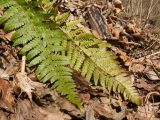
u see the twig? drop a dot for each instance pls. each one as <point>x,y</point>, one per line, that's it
<point>148,56</point>
<point>141,8</point>
<point>23,64</point>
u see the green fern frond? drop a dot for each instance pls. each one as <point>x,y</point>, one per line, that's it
<point>43,47</point>
<point>52,49</point>
<point>72,24</point>
<point>90,56</point>
<point>62,18</point>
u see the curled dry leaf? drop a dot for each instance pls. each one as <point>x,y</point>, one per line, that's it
<point>26,84</point>
<point>6,98</point>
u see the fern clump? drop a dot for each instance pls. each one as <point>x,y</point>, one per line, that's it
<point>55,48</point>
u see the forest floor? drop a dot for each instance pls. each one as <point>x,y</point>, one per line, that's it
<point>22,97</point>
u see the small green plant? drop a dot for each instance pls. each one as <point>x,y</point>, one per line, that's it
<point>54,48</point>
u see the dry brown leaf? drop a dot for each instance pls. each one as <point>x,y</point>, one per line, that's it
<point>146,86</point>
<point>137,68</point>
<point>99,108</point>
<point>152,75</point>
<point>6,98</point>
<point>25,110</point>
<point>85,98</point>
<point>149,110</point>
<point>156,63</point>
<point>3,116</point>
<point>26,84</point>
<point>64,104</point>
<point>117,2</point>
<point>116,31</point>
<point>9,35</point>
<point>131,27</point>
<point>110,26</point>
<point>4,74</point>
<point>126,59</point>
<point>53,115</point>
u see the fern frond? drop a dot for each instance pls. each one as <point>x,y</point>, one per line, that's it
<point>72,24</point>
<point>90,56</point>
<point>43,47</point>
<point>49,49</point>
<point>62,18</point>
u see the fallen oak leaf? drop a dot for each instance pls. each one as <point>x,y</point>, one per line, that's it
<point>6,98</point>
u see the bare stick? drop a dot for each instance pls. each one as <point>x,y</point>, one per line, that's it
<point>23,64</point>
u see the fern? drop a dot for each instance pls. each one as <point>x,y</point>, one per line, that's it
<point>89,55</point>
<point>42,46</point>
<point>53,48</point>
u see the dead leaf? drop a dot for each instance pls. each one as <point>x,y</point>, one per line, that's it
<point>3,116</point>
<point>85,98</point>
<point>137,68</point>
<point>26,84</point>
<point>156,63</point>
<point>141,83</point>
<point>148,111</point>
<point>131,27</point>
<point>6,98</point>
<point>64,104</point>
<point>116,31</point>
<point>9,35</point>
<point>25,110</point>
<point>54,115</point>
<point>99,108</point>
<point>4,74</point>
<point>152,75</point>
<point>117,2</point>
<point>126,59</point>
